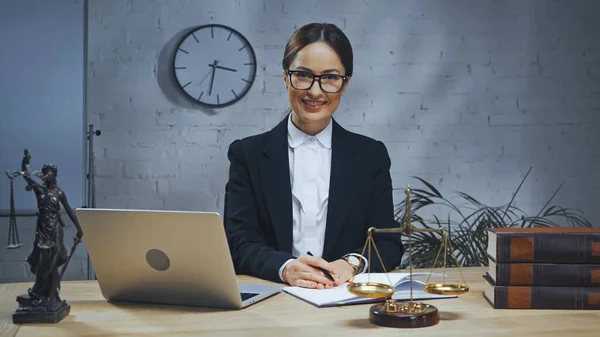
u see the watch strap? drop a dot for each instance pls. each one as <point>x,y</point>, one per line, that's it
<point>355,267</point>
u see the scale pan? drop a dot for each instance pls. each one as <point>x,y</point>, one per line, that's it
<point>445,289</point>
<point>371,290</point>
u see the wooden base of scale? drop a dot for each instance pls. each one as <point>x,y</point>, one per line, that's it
<point>404,314</point>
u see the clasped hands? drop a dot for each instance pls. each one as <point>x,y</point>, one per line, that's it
<point>304,272</point>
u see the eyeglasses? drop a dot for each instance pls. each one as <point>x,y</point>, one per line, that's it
<point>303,80</point>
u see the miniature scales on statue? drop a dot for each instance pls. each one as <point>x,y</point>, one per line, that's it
<point>13,233</point>
<point>42,303</point>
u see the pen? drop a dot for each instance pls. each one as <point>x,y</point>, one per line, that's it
<point>323,270</point>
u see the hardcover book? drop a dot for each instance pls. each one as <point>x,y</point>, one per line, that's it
<point>544,245</point>
<point>536,297</point>
<point>544,274</point>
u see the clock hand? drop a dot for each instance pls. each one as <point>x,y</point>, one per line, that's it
<point>215,66</point>
<point>208,73</point>
<point>205,76</point>
<point>212,78</point>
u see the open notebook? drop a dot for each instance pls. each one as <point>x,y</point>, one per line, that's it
<point>341,296</point>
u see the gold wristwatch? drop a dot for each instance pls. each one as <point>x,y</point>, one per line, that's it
<point>355,262</point>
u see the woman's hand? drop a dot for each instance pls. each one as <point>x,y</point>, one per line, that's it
<point>303,272</point>
<point>345,271</point>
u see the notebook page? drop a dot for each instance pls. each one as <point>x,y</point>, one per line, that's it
<point>322,297</point>
<point>402,293</point>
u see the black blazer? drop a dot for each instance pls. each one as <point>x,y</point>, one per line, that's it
<point>258,202</point>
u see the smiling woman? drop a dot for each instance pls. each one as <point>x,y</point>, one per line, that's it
<point>316,53</point>
<point>301,197</point>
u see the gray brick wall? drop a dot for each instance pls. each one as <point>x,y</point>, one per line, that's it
<point>467,94</point>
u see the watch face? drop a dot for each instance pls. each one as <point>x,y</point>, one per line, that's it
<point>354,260</point>
<point>214,65</point>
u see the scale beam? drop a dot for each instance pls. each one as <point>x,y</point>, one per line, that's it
<point>406,230</point>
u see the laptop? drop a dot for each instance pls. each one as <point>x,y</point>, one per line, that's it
<point>165,257</point>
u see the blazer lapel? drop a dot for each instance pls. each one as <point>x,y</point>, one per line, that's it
<point>275,179</point>
<point>340,185</point>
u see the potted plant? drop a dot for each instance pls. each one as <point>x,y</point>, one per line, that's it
<point>468,225</point>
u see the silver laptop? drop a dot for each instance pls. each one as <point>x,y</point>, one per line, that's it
<point>165,257</point>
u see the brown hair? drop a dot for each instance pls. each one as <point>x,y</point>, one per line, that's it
<point>315,32</point>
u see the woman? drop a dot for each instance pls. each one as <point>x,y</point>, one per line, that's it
<point>301,197</point>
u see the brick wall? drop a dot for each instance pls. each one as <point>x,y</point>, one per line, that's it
<point>466,94</point>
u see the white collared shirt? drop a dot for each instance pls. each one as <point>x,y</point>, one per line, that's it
<point>310,169</point>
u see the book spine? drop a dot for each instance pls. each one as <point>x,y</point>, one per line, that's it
<point>566,298</point>
<point>548,248</point>
<point>547,274</point>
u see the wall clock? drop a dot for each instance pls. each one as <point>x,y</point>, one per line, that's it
<point>214,65</point>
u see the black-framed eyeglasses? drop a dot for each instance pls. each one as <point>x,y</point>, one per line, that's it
<point>304,80</point>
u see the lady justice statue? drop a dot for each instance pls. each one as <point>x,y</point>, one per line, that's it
<point>42,303</point>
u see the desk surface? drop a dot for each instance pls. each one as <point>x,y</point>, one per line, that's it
<point>281,315</point>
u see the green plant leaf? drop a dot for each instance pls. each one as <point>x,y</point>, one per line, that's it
<point>433,189</point>
<point>468,230</point>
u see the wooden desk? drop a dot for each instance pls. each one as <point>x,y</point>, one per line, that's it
<point>283,315</point>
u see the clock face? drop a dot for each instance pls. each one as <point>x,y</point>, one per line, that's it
<point>215,65</point>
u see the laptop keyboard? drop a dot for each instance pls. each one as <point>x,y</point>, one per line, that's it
<point>246,296</point>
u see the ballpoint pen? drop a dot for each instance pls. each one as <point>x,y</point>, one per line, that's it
<point>323,270</point>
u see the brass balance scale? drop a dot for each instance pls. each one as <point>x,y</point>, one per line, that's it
<point>409,314</point>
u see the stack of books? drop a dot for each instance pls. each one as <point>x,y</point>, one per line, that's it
<point>543,268</point>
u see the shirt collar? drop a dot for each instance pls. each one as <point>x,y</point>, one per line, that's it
<point>296,137</point>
